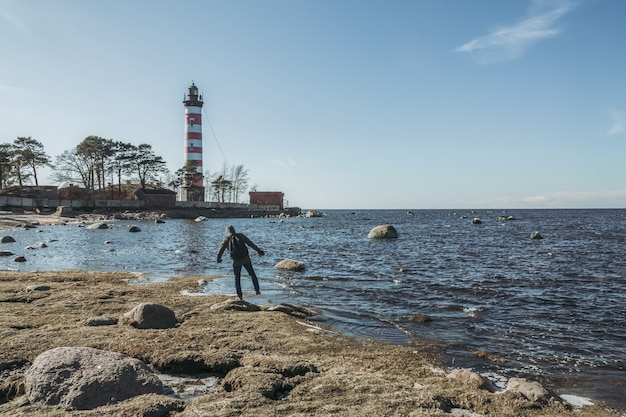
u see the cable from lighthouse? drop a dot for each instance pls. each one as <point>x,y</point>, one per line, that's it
<point>215,136</point>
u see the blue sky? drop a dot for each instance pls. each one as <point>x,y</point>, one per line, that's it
<point>339,103</point>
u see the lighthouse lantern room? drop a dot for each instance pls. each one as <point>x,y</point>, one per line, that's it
<point>193,181</point>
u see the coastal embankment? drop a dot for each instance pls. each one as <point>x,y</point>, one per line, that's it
<point>22,218</point>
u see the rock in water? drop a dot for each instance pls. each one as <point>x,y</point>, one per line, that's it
<point>84,378</point>
<point>536,235</point>
<point>98,225</point>
<point>313,213</point>
<point>290,265</point>
<point>385,231</point>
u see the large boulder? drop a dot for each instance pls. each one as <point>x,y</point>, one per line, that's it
<point>384,231</point>
<point>472,378</point>
<point>7,239</point>
<point>290,265</point>
<point>84,378</point>
<point>149,316</point>
<point>531,390</point>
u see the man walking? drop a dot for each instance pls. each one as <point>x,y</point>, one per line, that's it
<point>237,244</point>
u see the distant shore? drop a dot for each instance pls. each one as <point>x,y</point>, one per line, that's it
<point>22,218</point>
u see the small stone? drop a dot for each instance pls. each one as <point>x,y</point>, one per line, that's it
<point>234,304</point>
<point>98,225</point>
<point>38,288</point>
<point>420,318</point>
<point>100,321</point>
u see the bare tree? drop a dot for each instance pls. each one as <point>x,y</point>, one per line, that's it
<point>239,179</point>
<point>71,167</point>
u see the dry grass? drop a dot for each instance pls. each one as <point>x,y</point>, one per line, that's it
<point>270,364</point>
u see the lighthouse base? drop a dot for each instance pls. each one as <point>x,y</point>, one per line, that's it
<point>192,193</point>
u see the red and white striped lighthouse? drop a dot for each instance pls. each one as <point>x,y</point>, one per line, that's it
<point>193,186</point>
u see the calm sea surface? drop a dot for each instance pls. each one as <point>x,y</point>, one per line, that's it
<point>553,308</point>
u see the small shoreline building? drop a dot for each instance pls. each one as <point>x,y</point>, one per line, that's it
<point>267,199</point>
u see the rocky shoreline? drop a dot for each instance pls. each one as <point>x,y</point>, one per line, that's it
<point>262,360</point>
<point>20,218</point>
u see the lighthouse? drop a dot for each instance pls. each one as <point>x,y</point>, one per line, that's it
<point>193,181</point>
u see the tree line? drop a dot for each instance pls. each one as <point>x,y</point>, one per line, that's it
<point>96,162</point>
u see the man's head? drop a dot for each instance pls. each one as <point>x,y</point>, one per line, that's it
<point>230,231</point>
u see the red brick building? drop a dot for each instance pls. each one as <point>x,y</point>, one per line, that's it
<point>267,198</point>
<point>156,198</point>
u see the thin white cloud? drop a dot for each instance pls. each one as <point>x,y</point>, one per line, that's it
<point>511,42</point>
<point>535,199</point>
<point>574,199</point>
<point>619,123</point>
<point>13,21</point>
<point>284,163</point>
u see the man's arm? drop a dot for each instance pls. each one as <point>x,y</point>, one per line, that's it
<point>220,252</point>
<point>251,244</point>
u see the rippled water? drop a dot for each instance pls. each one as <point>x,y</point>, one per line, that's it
<point>554,307</point>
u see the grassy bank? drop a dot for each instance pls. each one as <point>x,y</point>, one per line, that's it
<point>268,363</point>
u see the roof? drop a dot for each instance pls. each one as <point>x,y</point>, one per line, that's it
<point>160,191</point>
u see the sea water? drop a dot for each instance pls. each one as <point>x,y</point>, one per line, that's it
<point>551,308</point>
